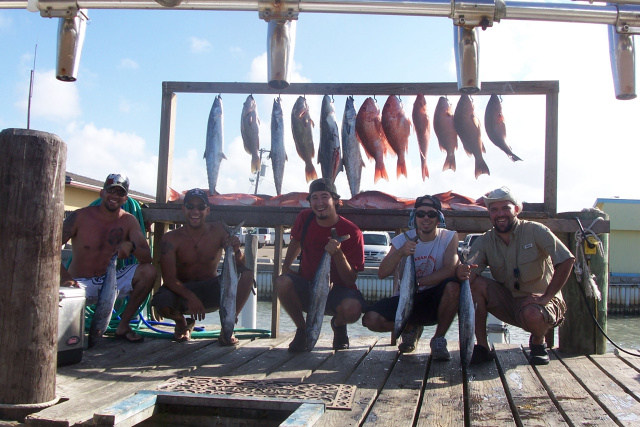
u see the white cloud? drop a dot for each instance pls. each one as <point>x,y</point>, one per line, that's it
<point>128,64</point>
<point>199,45</point>
<point>5,22</point>
<point>52,99</point>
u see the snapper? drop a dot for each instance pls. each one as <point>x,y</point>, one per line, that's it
<point>468,128</point>
<point>372,137</point>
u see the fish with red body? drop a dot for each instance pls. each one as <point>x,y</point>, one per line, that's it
<point>378,200</point>
<point>445,130</point>
<point>371,135</point>
<point>295,199</point>
<point>495,126</point>
<point>468,129</point>
<point>397,128</point>
<point>235,199</point>
<point>423,130</point>
<point>302,128</point>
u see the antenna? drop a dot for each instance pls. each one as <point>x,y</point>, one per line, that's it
<point>35,54</point>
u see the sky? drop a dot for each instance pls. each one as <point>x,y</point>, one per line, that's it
<point>110,117</point>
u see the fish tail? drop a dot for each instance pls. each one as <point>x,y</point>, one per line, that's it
<point>255,163</point>
<point>310,172</point>
<point>449,162</point>
<point>481,167</point>
<point>381,172</point>
<point>514,158</point>
<point>425,169</point>
<point>401,168</point>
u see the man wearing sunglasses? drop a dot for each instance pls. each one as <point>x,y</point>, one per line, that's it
<point>189,261</point>
<point>436,257</point>
<point>98,232</point>
<point>529,266</point>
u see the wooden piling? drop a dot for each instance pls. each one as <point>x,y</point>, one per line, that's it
<point>32,172</point>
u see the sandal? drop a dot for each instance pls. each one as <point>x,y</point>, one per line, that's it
<point>233,341</point>
<point>183,333</point>
<point>130,337</point>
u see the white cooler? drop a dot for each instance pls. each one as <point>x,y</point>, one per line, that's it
<point>70,325</point>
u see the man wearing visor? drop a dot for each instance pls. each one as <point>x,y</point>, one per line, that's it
<point>529,266</point>
<point>436,257</point>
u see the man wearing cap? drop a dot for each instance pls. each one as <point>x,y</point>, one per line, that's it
<point>436,256</point>
<point>311,236</point>
<point>529,266</point>
<point>189,261</point>
<point>96,234</point>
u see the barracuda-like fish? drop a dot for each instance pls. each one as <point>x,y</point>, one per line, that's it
<point>229,287</point>
<point>250,130</point>
<point>423,130</point>
<point>302,128</point>
<point>468,129</point>
<point>371,136</point>
<point>495,126</point>
<point>397,128</point>
<point>329,150</point>
<point>214,144</point>
<point>104,308</point>
<point>408,287</point>
<point>466,323</point>
<point>445,130</point>
<point>351,156</point>
<point>277,154</point>
<point>320,287</point>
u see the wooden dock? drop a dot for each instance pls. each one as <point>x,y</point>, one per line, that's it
<point>391,389</point>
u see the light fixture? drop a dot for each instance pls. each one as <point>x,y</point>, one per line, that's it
<point>280,46</point>
<point>623,67</point>
<point>467,51</point>
<point>70,40</point>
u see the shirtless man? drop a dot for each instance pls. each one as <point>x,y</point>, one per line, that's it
<point>189,261</point>
<point>98,232</point>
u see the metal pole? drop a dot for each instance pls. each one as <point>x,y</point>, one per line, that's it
<point>262,150</point>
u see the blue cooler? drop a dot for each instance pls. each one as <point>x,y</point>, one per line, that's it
<point>70,325</point>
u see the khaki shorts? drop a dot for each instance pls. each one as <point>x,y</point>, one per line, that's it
<point>502,304</point>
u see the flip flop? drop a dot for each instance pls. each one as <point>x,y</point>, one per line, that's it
<point>130,337</point>
<point>184,332</point>
<point>234,341</point>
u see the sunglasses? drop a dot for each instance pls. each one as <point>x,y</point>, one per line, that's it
<point>191,206</point>
<point>117,190</point>
<point>516,274</point>
<point>430,214</point>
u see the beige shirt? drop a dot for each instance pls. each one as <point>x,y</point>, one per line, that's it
<point>533,250</point>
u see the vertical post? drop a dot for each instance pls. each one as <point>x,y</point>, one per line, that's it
<point>32,171</point>
<point>277,270</point>
<point>551,151</point>
<point>248,318</point>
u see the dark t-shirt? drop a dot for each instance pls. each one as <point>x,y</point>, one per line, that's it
<point>316,239</point>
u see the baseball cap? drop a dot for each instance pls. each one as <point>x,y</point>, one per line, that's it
<point>196,192</point>
<point>430,201</point>
<point>501,194</point>
<point>323,184</point>
<point>116,180</point>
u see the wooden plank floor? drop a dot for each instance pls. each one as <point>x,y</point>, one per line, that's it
<point>392,389</point>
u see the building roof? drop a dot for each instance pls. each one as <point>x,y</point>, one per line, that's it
<point>600,200</point>
<point>80,181</point>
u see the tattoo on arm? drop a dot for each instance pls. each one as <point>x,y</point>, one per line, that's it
<point>67,226</point>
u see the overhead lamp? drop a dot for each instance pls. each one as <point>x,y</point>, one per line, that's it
<point>467,52</point>
<point>623,67</point>
<point>70,39</point>
<point>280,46</point>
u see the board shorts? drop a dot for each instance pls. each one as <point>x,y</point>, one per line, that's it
<point>337,293</point>
<point>92,285</point>
<point>425,305</point>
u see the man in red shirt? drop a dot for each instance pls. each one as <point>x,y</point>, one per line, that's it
<point>311,236</point>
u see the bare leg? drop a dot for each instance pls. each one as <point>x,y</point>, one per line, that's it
<point>348,311</point>
<point>142,283</point>
<point>447,308</point>
<point>480,298</point>
<point>245,285</point>
<point>376,322</point>
<point>533,321</point>
<point>290,301</point>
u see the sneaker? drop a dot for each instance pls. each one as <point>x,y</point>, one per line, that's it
<point>538,354</point>
<point>439,349</point>
<point>410,339</point>
<point>340,337</point>
<point>299,343</point>
<point>481,354</point>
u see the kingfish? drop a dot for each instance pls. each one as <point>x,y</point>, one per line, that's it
<point>397,128</point>
<point>320,287</point>
<point>302,128</point>
<point>408,286</point>
<point>495,126</point>
<point>214,144</point>
<point>104,307</point>
<point>466,323</point>
<point>250,130</point>
<point>468,129</point>
<point>329,150</point>
<point>445,130</point>
<point>278,155</point>
<point>229,287</point>
<point>423,130</point>
<point>371,136</point>
<point>351,156</point>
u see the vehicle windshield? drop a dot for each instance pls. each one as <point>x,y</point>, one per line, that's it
<point>375,239</point>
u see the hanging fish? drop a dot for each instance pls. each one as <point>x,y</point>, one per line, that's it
<point>213,154</point>
<point>371,136</point>
<point>302,128</point>
<point>250,130</point>
<point>329,150</point>
<point>446,133</point>
<point>351,156</point>
<point>468,128</point>
<point>397,128</point>
<point>104,307</point>
<point>277,154</point>
<point>495,126</point>
<point>423,131</point>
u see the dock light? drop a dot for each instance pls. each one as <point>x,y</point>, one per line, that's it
<point>280,45</point>
<point>467,58</point>
<point>623,67</point>
<point>70,40</point>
